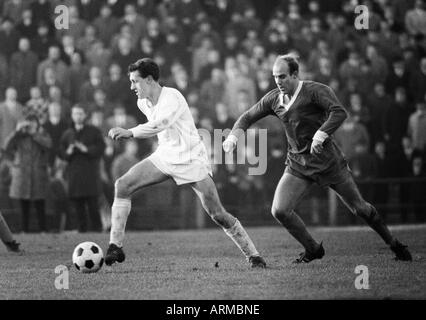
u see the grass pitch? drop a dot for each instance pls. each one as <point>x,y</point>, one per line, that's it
<point>206,264</point>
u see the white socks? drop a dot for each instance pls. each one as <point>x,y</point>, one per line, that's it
<point>119,213</point>
<point>121,209</point>
<point>239,235</point>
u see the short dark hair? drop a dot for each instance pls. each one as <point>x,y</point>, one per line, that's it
<point>146,67</point>
<point>79,106</point>
<point>292,62</point>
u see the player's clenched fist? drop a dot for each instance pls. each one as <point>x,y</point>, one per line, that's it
<point>118,133</point>
<point>230,143</point>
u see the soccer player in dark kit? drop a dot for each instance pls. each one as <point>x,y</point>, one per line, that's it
<point>311,113</point>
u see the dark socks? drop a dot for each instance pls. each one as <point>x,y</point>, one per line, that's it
<point>297,229</point>
<point>377,224</point>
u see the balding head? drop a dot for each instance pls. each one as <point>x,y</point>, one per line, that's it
<point>286,72</point>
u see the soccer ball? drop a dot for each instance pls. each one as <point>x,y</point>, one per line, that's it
<point>88,257</point>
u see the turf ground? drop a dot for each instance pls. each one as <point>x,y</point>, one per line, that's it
<point>207,265</point>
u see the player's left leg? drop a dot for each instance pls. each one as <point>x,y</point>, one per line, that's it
<point>290,190</point>
<point>207,192</point>
<point>141,175</point>
<point>351,197</point>
<point>7,237</point>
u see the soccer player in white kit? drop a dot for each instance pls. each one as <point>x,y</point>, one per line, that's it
<point>180,155</point>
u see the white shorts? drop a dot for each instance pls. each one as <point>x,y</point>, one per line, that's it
<point>194,171</point>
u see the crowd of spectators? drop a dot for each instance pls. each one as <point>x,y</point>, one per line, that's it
<point>219,54</point>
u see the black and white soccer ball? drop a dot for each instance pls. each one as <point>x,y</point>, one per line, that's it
<point>88,257</point>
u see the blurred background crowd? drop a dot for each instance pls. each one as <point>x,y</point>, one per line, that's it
<point>219,54</point>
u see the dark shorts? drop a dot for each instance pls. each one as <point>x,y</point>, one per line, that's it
<point>327,168</point>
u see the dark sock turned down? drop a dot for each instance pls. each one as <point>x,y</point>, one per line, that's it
<point>296,227</point>
<point>377,224</point>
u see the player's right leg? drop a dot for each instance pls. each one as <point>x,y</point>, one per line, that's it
<point>289,192</point>
<point>207,193</point>
<point>139,176</point>
<point>351,197</point>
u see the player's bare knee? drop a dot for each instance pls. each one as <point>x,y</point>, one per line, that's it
<point>362,209</point>
<point>122,188</point>
<point>281,213</point>
<point>218,216</point>
<point>368,212</point>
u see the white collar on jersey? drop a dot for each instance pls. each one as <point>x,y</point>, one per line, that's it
<point>149,103</point>
<point>293,98</point>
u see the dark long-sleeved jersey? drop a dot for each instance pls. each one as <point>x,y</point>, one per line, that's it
<point>314,107</point>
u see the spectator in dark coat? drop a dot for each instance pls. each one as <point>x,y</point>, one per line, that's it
<point>117,90</point>
<point>377,102</point>
<point>29,145</point>
<point>418,81</point>
<point>89,87</point>
<point>55,125</point>
<point>55,95</point>
<point>405,172</point>
<point>418,186</point>
<point>398,76</point>
<point>14,8</point>
<point>23,69</point>
<point>101,103</point>
<point>350,134</point>
<point>82,146</point>
<point>395,121</point>
<point>79,73</point>
<point>59,198</point>
<point>8,38</point>
<point>125,55</point>
<point>381,190</point>
<point>68,48</point>
<point>42,41</point>
<point>212,91</point>
<point>60,70</point>
<point>106,24</point>
<point>89,9</point>
<point>27,28</point>
<point>41,10</point>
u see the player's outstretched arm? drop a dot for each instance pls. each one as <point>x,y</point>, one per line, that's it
<point>118,133</point>
<point>260,110</point>
<point>240,126</point>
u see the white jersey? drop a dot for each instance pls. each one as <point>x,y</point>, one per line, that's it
<point>171,120</point>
